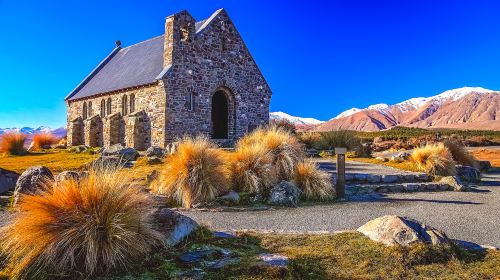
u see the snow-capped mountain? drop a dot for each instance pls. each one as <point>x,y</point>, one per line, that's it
<point>293,119</point>
<point>29,131</point>
<point>467,107</point>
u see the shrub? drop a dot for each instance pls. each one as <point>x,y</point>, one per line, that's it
<point>434,159</point>
<point>314,183</point>
<point>89,226</point>
<point>195,173</point>
<point>252,169</point>
<point>43,140</point>
<point>12,143</point>
<point>284,148</point>
<point>284,124</point>
<point>459,153</point>
<point>311,139</point>
<point>341,138</point>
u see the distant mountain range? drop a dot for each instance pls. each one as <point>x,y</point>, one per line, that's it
<point>462,108</point>
<point>30,131</point>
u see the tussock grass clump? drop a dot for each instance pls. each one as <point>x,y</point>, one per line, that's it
<point>459,153</point>
<point>12,143</point>
<point>314,183</point>
<point>251,169</point>
<point>311,139</point>
<point>341,138</point>
<point>89,227</point>
<point>195,173</point>
<point>42,140</point>
<point>283,124</point>
<point>285,149</point>
<point>434,159</point>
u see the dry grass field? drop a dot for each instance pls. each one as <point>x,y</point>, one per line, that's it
<point>491,155</point>
<point>55,160</point>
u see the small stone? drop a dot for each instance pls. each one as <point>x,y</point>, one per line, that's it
<point>232,197</point>
<point>274,259</point>
<point>410,187</point>
<point>454,183</point>
<point>431,187</point>
<point>390,178</point>
<point>382,159</point>
<point>154,160</point>
<point>360,177</point>
<point>155,151</point>
<point>224,234</point>
<point>374,179</point>
<point>284,194</point>
<point>468,173</point>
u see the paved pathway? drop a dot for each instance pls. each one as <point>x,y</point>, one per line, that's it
<point>472,216</point>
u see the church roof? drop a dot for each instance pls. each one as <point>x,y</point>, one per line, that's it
<point>136,65</point>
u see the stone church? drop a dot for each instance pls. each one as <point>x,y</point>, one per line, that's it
<point>196,78</point>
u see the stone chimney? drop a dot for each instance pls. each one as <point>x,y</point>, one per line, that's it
<point>179,32</point>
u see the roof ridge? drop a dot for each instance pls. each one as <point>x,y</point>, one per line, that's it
<point>156,37</point>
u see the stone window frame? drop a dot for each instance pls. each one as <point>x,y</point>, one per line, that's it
<point>124,105</point>
<point>103,107</point>
<point>90,109</point>
<point>108,106</point>
<point>84,111</point>
<point>132,103</point>
<point>184,31</point>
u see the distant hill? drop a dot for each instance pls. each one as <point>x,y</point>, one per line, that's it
<point>462,108</point>
<point>30,131</point>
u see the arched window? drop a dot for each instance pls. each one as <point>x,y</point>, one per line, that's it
<point>124,105</point>
<point>103,108</point>
<point>84,110</point>
<point>90,109</point>
<point>132,103</point>
<point>108,105</point>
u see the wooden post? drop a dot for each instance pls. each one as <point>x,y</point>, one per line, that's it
<point>340,185</point>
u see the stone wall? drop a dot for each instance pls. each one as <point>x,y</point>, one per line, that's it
<point>215,58</point>
<point>150,99</point>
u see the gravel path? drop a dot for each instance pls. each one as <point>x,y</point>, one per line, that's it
<point>472,216</point>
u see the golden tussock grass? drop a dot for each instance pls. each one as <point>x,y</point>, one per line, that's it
<point>12,143</point>
<point>44,139</point>
<point>314,183</point>
<point>89,226</point>
<point>285,149</point>
<point>195,173</point>
<point>434,159</point>
<point>460,154</point>
<point>251,169</point>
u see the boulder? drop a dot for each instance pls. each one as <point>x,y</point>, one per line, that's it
<point>8,180</point>
<point>284,194</point>
<point>455,183</point>
<point>174,226</point>
<point>155,151</point>
<point>118,150</point>
<point>32,180</point>
<point>484,165</point>
<point>105,162</point>
<point>71,175</point>
<point>468,174</point>
<point>396,230</point>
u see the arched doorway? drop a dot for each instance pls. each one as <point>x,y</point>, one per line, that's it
<point>220,115</point>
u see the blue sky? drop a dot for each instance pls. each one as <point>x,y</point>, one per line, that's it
<point>320,57</point>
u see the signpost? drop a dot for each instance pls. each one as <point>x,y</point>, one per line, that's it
<point>340,185</point>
